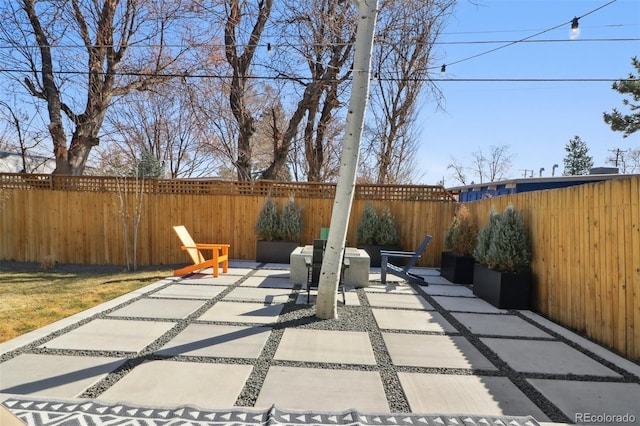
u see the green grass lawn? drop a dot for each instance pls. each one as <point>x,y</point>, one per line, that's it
<point>33,299</point>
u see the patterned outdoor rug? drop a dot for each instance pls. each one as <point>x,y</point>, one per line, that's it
<point>39,412</point>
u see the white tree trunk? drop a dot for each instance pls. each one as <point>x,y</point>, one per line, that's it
<point>326,306</point>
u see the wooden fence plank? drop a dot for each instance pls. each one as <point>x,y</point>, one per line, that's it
<point>632,252</point>
<point>619,305</point>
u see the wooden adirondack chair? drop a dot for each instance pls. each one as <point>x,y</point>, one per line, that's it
<point>403,271</point>
<point>220,254</point>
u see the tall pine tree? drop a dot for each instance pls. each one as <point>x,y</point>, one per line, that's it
<point>577,161</point>
<point>627,123</point>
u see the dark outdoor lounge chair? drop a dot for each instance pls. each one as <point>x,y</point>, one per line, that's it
<point>403,271</point>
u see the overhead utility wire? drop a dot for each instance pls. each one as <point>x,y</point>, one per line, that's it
<point>572,21</point>
<point>282,77</point>
<point>541,41</point>
<point>523,30</point>
<point>269,46</point>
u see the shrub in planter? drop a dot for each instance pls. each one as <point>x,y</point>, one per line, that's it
<point>278,235</point>
<point>368,226</point>
<point>502,277</point>
<point>459,243</point>
<point>484,238</point>
<point>376,232</point>
<point>291,222</point>
<point>268,225</point>
<point>462,236</point>
<point>387,233</point>
<point>509,249</point>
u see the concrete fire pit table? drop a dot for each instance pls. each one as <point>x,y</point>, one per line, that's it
<point>356,275</point>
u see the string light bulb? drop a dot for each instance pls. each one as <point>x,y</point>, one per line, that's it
<point>443,70</point>
<point>575,28</point>
<point>574,24</point>
<point>268,48</point>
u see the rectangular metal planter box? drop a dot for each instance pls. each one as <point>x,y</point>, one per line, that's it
<point>275,251</point>
<point>457,269</point>
<point>502,290</point>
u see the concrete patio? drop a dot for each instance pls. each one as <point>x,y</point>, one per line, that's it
<point>248,339</point>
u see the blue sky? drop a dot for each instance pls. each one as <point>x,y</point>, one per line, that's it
<point>536,119</point>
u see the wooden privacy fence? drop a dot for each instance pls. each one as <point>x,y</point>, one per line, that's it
<point>586,238</point>
<point>49,218</point>
<point>586,256</point>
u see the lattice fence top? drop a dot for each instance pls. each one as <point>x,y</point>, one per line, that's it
<point>220,187</point>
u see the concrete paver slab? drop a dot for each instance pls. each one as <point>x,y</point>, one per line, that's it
<point>436,280</point>
<point>435,351</point>
<point>579,399</point>
<point>80,316</point>
<point>276,266</point>
<point>345,347</point>
<point>186,291</point>
<point>167,383</point>
<point>243,312</point>
<point>396,288</point>
<point>111,335</point>
<point>246,264</point>
<point>263,295</point>
<point>240,269</point>
<point>448,290</point>
<point>54,375</point>
<point>374,275</point>
<point>480,395</point>
<point>540,356</point>
<point>406,301</point>
<point>350,296</point>
<point>218,341</point>
<point>274,273</point>
<point>321,389</point>
<point>159,308</point>
<point>222,279</point>
<point>591,346</point>
<point>272,281</point>
<point>466,304</point>
<point>499,325</point>
<point>395,319</point>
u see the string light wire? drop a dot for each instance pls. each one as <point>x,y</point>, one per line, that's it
<point>442,67</point>
<point>522,40</point>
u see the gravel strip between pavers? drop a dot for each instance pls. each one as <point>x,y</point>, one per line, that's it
<point>350,318</point>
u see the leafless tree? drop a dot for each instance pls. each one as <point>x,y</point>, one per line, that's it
<point>633,161</point>
<point>240,53</point>
<point>486,167</point>
<point>17,135</point>
<point>161,122</point>
<point>498,162</point>
<point>402,61</point>
<point>459,171</point>
<point>315,50</point>
<point>627,161</point>
<point>90,52</point>
<point>271,152</point>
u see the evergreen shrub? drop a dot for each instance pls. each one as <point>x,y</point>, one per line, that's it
<point>387,231</point>
<point>462,236</point>
<point>291,222</point>
<point>267,227</point>
<point>377,230</point>
<point>368,226</point>
<point>504,245</point>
